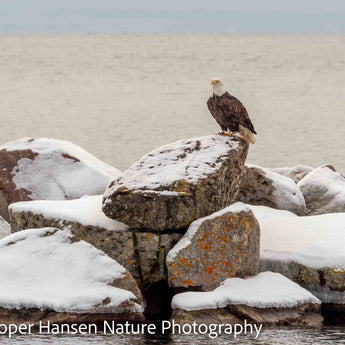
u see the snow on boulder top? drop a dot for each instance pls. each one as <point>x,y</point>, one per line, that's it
<point>296,173</point>
<point>49,269</point>
<point>265,290</point>
<point>86,211</point>
<point>324,190</point>
<point>285,191</point>
<point>50,169</point>
<point>188,160</point>
<point>262,212</point>
<point>313,241</point>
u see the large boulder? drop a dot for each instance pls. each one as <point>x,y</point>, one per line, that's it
<point>49,271</point>
<point>141,253</point>
<point>49,169</point>
<point>266,299</point>
<point>296,173</point>
<point>260,186</point>
<point>222,245</point>
<point>178,183</point>
<point>323,190</point>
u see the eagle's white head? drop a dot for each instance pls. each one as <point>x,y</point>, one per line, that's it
<point>218,86</point>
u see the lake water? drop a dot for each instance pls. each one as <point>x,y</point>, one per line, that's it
<point>269,336</point>
<point>120,96</point>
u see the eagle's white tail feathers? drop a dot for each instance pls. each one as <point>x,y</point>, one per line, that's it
<point>246,134</point>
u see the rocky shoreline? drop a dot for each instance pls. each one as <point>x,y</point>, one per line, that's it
<point>188,218</point>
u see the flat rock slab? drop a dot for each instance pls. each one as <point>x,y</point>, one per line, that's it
<point>178,183</point>
<point>303,315</point>
<point>260,186</point>
<point>51,270</point>
<point>323,190</point>
<point>222,245</point>
<point>268,298</point>
<point>141,253</point>
<point>49,169</point>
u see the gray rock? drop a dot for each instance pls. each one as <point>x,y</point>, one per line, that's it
<point>178,183</point>
<point>49,169</point>
<point>141,253</point>
<point>323,190</point>
<point>5,228</point>
<point>223,245</point>
<point>327,283</point>
<point>296,173</point>
<point>260,186</point>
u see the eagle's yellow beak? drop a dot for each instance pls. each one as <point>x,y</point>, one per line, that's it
<point>213,82</point>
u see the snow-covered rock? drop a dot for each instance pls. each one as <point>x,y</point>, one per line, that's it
<point>86,211</point>
<point>323,190</point>
<point>49,169</point>
<point>296,173</point>
<point>309,250</point>
<point>260,186</point>
<point>267,298</point>
<point>49,269</point>
<point>5,228</point>
<point>264,290</point>
<point>86,220</point>
<point>178,183</point>
<point>222,245</point>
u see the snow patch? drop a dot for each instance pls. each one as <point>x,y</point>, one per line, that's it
<point>45,269</point>
<point>264,290</point>
<point>86,211</point>
<point>188,160</point>
<point>54,174</point>
<point>313,241</point>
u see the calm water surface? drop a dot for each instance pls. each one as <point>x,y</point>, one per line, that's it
<point>120,96</point>
<point>269,336</point>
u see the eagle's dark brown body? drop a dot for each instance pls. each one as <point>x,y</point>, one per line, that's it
<point>229,112</point>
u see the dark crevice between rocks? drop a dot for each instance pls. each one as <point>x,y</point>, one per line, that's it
<point>157,295</point>
<point>158,302</point>
<point>333,314</point>
<point>137,259</point>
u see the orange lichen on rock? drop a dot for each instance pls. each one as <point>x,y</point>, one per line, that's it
<point>221,247</point>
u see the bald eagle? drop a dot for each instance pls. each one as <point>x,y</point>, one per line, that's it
<point>230,113</point>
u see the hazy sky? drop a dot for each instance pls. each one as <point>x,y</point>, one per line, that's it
<point>295,16</point>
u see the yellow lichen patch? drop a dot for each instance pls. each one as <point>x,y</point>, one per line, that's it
<point>148,235</point>
<point>188,282</point>
<point>183,187</point>
<point>173,265</point>
<point>206,247</point>
<point>128,262</point>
